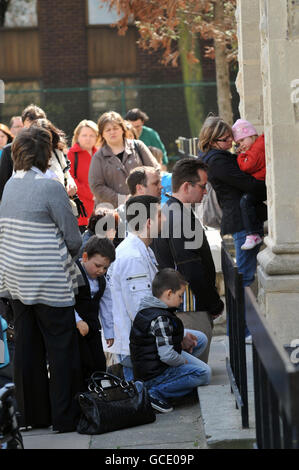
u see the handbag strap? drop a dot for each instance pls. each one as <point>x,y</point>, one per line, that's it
<point>138,151</point>
<point>100,375</point>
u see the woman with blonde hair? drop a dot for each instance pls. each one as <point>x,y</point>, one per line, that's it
<point>229,183</point>
<point>84,146</point>
<point>117,156</point>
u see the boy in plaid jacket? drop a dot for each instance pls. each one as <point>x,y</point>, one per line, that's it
<point>163,354</point>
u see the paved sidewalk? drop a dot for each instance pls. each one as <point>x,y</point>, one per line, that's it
<point>213,423</point>
<point>180,429</point>
<point>221,418</point>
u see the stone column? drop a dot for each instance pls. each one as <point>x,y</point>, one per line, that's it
<point>249,82</point>
<point>278,269</point>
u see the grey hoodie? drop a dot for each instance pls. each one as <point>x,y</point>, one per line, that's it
<point>166,352</point>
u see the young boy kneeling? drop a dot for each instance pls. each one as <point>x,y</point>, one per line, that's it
<point>94,303</point>
<point>157,341</point>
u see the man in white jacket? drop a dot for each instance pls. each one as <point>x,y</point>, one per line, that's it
<point>132,273</point>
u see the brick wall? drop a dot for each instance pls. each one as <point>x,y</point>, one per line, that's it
<point>64,61</point>
<point>63,42</point>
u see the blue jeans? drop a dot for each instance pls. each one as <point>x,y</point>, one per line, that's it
<point>251,221</point>
<point>246,261</point>
<point>179,381</point>
<point>202,342</point>
<point>127,366</point>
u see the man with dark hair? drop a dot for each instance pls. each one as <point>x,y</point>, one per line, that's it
<point>133,271</point>
<point>148,135</point>
<point>30,114</point>
<point>183,244</point>
<point>144,180</point>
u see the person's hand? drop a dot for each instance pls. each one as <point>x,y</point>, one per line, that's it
<point>71,190</point>
<point>189,342</point>
<point>82,327</point>
<point>110,342</point>
<point>217,315</point>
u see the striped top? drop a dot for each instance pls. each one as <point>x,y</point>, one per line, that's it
<point>39,235</point>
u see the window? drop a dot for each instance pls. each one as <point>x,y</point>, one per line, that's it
<point>21,13</point>
<point>99,13</point>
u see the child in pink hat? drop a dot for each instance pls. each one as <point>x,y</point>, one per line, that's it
<point>251,160</point>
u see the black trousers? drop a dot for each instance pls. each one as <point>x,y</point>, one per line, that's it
<point>46,335</point>
<point>92,355</point>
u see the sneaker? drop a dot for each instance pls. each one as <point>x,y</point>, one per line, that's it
<point>248,339</point>
<point>160,405</point>
<point>251,241</point>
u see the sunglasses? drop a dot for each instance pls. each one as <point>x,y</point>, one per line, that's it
<point>225,139</point>
<point>202,186</point>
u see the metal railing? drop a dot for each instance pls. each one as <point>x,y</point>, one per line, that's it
<point>187,147</point>
<point>276,384</point>
<point>235,310</point>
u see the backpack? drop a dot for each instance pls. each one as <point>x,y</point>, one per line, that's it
<point>210,212</point>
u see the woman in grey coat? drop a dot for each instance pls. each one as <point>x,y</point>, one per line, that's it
<point>39,238</point>
<point>112,163</point>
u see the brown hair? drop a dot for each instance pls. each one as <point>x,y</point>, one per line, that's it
<point>167,278</point>
<point>131,129</point>
<point>111,117</point>
<point>139,176</point>
<point>32,112</point>
<point>186,170</point>
<point>32,147</point>
<point>7,132</point>
<point>135,114</point>
<point>213,128</point>
<point>85,123</point>
<point>58,136</point>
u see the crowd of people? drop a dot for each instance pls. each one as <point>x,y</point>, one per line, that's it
<point>97,252</point>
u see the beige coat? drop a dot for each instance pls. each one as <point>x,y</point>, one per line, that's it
<point>107,174</point>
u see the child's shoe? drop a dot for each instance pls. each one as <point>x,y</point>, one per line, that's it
<point>251,241</point>
<point>160,405</point>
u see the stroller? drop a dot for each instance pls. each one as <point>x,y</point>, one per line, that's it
<point>10,436</point>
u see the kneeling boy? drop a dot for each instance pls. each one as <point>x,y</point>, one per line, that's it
<point>94,303</point>
<point>157,341</point>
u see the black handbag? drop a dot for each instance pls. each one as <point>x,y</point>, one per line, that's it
<point>119,405</point>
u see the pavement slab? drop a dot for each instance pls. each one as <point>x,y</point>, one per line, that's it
<point>221,418</point>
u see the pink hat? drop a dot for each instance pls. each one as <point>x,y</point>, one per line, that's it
<point>242,129</point>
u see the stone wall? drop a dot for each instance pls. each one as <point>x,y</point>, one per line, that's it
<point>277,43</point>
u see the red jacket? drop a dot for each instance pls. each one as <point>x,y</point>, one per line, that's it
<point>253,161</point>
<point>81,179</point>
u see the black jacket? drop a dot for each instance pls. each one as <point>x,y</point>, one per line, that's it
<point>195,264</point>
<point>143,347</point>
<point>230,183</point>
<point>6,167</point>
<point>87,306</point>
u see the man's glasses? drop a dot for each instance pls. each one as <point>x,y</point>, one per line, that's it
<point>202,186</point>
<point>225,139</point>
